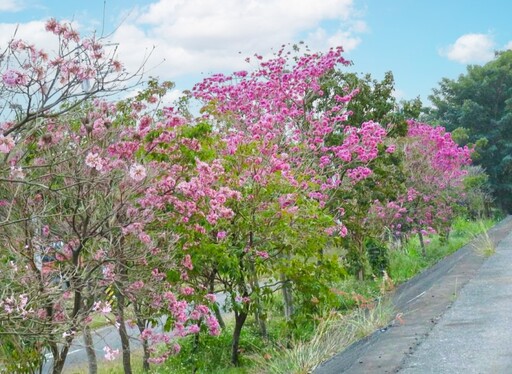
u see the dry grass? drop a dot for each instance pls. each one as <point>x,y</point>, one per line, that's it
<point>332,335</point>
<point>482,243</point>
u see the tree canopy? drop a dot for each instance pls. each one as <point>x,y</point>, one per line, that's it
<point>477,106</point>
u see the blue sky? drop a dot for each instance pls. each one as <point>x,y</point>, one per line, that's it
<point>419,41</point>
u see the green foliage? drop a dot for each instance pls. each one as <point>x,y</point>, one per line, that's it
<point>480,101</point>
<point>377,256</point>
<point>478,199</point>
<point>19,355</point>
<point>407,261</point>
<point>373,102</point>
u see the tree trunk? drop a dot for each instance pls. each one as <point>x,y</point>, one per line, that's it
<point>261,321</point>
<point>258,312</point>
<point>123,334</point>
<point>215,306</point>
<point>287,298</point>
<point>362,259</point>
<point>240,318</point>
<point>145,346</point>
<point>58,365</point>
<point>89,349</point>
<point>218,315</point>
<point>59,358</point>
<point>422,245</point>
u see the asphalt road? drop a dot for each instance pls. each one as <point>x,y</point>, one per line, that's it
<point>456,318</point>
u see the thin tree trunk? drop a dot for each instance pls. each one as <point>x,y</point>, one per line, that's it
<point>261,321</point>
<point>287,298</point>
<point>218,315</point>
<point>240,318</point>
<point>123,334</point>
<point>362,258</point>
<point>89,349</point>
<point>422,245</point>
<point>258,311</point>
<point>141,325</point>
<point>59,358</point>
<point>215,306</point>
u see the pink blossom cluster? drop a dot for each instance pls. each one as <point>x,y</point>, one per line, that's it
<point>6,144</point>
<point>435,166</point>
<point>12,78</point>
<point>267,109</point>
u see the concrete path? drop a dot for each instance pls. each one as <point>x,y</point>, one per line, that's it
<point>475,335</point>
<point>455,318</point>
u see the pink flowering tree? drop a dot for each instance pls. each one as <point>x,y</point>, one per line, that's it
<point>277,149</point>
<point>85,206</point>
<point>435,168</point>
<point>75,215</point>
<point>36,87</point>
<point>37,84</point>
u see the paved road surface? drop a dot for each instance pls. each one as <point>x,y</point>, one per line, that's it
<point>475,334</point>
<point>457,319</point>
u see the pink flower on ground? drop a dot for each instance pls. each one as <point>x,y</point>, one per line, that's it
<point>110,354</point>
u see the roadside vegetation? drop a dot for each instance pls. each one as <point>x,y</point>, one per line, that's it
<point>299,197</point>
<point>363,308</point>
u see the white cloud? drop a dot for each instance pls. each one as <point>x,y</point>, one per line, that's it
<point>195,36</point>
<point>184,38</point>
<point>11,5</point>
<point>470,48</point>
<point>508,45</point>
<point>32,32</point>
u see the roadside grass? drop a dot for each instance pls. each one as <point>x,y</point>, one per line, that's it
<point>333,334</point>
<point>408,261</point>
<point>212,354</point>
<point>483,244</point>
<point>112,367</point>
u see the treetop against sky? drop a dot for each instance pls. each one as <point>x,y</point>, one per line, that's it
<point>419,41</point>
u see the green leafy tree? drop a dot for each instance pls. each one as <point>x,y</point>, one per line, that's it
<point>369,100</point>
<point>480,102</point>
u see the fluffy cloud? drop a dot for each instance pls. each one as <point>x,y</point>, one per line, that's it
<point>11,6</point>
<point>33,32</point>
<point>471,48</point>
<point>179,39</point>
<point>194,36</point>
<point>508,46</point>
